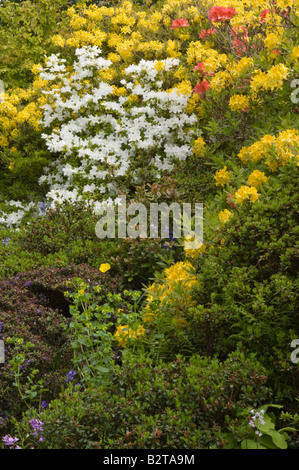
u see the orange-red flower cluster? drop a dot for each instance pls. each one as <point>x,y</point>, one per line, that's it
<point>263,15</point>
<point>218,14</point>
<point>201,69</point>
<point>207,32</point>
<point>201,88</point>
<point>179,23</point>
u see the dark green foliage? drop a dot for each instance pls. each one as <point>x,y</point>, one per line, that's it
<point>177,405</point>
<point>69,228</point>
<point>33,308</point>
<point>248,286</point>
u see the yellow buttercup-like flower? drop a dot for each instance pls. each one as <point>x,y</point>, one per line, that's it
<point>104,267</point>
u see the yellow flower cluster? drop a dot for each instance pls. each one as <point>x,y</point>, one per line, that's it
<point>181,274</point>
<point>272,41</point>
<point>193,248</point>
<point>239,102</point>
<point>124,334</point>
<point>269,80</point>
<point>185,88</point>
<point>220,81</point>
<point>222,176</point>
<point>275,151</point>
<point>14,113</point>
<point>256,178</point>
<point>246,192</point>
<point>295,54</point>
<point>224,216</point>
<point>198,146</point>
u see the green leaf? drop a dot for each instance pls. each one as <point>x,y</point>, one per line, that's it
<point>278,439</point>
<point>250,444</point>
<point>102,369</point>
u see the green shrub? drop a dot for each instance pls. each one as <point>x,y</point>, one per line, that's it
<point>168,406</point>
<point>26,30</point>
<point>248,285</point>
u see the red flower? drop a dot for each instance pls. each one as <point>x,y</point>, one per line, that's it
<point>200,66</point>
<point>201,88</point>
<point>204,32</point>
<point>217,13</point>
<point>179,23</point>
<point>229,200</point>
<point>263,15</point>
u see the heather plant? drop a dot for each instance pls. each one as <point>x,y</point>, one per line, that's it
<point>33,309</point>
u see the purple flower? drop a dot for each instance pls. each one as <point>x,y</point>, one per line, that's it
<point>28,283</point>
<point>6,241</point>
<point>70,376</point>
<point>42,207</point>
<point>44,404</point>
<point>37,425</point>
<point>1,326</point>
<point>8,440</point>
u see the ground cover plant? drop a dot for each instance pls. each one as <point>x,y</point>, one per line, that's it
<point>149,342</point>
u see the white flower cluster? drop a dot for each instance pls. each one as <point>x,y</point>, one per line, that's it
<point>257,416</point>
<point>110,138</point>
<point>15,217</point>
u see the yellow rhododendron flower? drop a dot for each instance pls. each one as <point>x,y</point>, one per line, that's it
<point>58,41</point>
<point>246,192</point>
<point>239,102</point>
<point>193,248</point>
<point>185,87</point>
<point>124,333</point>
<point>222,176</point>
<point>256,178</point>
<point>224,215</point>
<point>295,54</point>
<point>198,146</point>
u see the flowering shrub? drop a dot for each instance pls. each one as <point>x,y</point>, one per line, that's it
<point>180,102</point>
<point>128,41</point>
